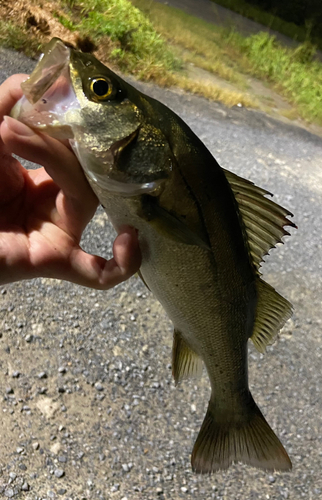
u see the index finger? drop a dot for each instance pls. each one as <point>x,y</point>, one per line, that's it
<point>10,93</point>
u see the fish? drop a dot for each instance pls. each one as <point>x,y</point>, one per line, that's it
<point>203,232</point>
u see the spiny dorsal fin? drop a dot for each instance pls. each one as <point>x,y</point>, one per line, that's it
<point>264,220</point>
<point>271,313</point>
<point>185,362</point>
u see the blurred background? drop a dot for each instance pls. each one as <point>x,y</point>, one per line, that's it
<point>260,54</point>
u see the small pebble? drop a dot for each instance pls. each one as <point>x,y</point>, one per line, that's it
<point>28,338</point>
<point>62,369</point>
<point>61,491</point>
<point>35,445</point>
<point>99,387</point>
<point>16,374</point>
<point>59,473</point>
<point>12,475</point>
<point>9,493</point>
<point>19,449</point>
<point>9,390</point>
<point>42,375</point>
<point>25,487</point>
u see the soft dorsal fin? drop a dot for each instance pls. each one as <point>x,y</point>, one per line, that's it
<point>185,362</point>
<point>264,220</point>
<point>271,313</point>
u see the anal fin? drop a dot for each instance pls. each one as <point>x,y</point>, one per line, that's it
<point>185,362</point>
<point>272,312</point>
<point>222,442</point>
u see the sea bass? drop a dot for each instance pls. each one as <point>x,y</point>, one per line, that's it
<point>203,232</point>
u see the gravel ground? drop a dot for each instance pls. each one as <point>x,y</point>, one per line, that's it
<point>88,406</point>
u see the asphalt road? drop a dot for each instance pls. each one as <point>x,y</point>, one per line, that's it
<point>88,408</point>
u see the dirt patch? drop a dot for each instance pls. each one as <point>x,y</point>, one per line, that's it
<point>38,20</point>
<point>41,24</point>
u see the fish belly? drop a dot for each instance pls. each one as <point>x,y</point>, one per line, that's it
<point>210,315</point>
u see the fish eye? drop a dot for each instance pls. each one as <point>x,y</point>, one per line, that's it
<point>101,88</point>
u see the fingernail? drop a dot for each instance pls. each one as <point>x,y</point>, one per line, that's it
<point>17,127</point>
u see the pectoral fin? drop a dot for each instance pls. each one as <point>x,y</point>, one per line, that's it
<point>168,224</point>
<point>141,276</point>
<point>185,362</point>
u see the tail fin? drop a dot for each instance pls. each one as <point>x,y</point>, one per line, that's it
<point>251,441</point>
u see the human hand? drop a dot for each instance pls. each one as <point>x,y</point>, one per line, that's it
<point>44,212</point>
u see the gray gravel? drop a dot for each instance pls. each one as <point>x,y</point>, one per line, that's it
<point>119,428</point>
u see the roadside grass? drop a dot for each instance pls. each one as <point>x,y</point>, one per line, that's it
<point>136,47</point>
<point>204,44</point>
<point>214,92</point>
<point>14,37</point>
<point>293,72</point>
<point>158,43</point>
<point>299,33</point>
<point>296,74</point>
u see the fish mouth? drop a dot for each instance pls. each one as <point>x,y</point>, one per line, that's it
<point>49,103</point>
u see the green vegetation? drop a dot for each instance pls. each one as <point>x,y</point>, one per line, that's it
<point>159,43</point>
<point>272,21</point>
<point>136,47</point>
<point>231,56</point>
<point>203,44</point>
<point>67,23</point>
<point>298,19</point>
<point>298,76</point>
<point>12,36</point>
